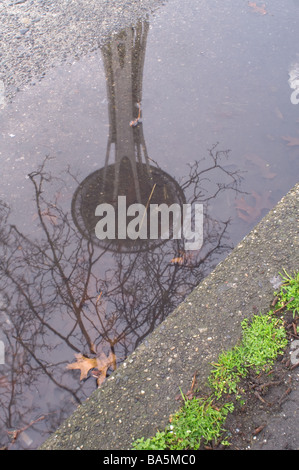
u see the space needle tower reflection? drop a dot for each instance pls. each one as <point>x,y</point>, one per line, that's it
<point>128,170</point>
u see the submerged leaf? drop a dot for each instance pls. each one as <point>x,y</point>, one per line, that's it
<point>261,165</point>
<point>178,260</point>
<point>292,141</point>
<point>257,9</point>
<point>251,213</point>
<point>184,258</point>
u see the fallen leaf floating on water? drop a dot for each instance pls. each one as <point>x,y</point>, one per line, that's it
<point>251,213</point>
<point>292,141</point>
<point>101,363</point>
<point>261,10</point>
<point>278,113</point>
<point>84,364</point>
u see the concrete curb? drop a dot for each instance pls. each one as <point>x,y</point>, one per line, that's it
<point>139,397</point>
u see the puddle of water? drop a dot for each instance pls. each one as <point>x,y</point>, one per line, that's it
<point>218,128</point>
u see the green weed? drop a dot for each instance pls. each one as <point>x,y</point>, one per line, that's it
<point>288,296</point>
<point>158,442</point>
<point>264,338</point>
<point>227,372</point>
<point>197,422</point>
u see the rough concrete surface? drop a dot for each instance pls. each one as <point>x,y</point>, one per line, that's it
<point>139,397</point>
<point>37,35</point>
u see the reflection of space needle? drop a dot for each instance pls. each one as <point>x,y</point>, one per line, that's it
<point>131,174</point>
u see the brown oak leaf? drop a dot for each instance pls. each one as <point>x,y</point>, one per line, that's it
<point>101,363</point>
<point>292,141</point>
<point>250,213</point>
<point>262,166</point>
<point>184,258</point>
<point>257,9</point>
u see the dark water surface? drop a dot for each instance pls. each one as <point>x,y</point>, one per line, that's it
<point>218,128</point>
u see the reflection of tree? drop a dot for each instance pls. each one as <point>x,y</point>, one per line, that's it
<point>197,176</point>
<point>60,298</point>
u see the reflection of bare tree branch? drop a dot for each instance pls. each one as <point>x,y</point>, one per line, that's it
<point>57,262</point>
<point>196,177</point>
<point>32,308</point>
<point>63,295</point>
<point>43,368</point>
